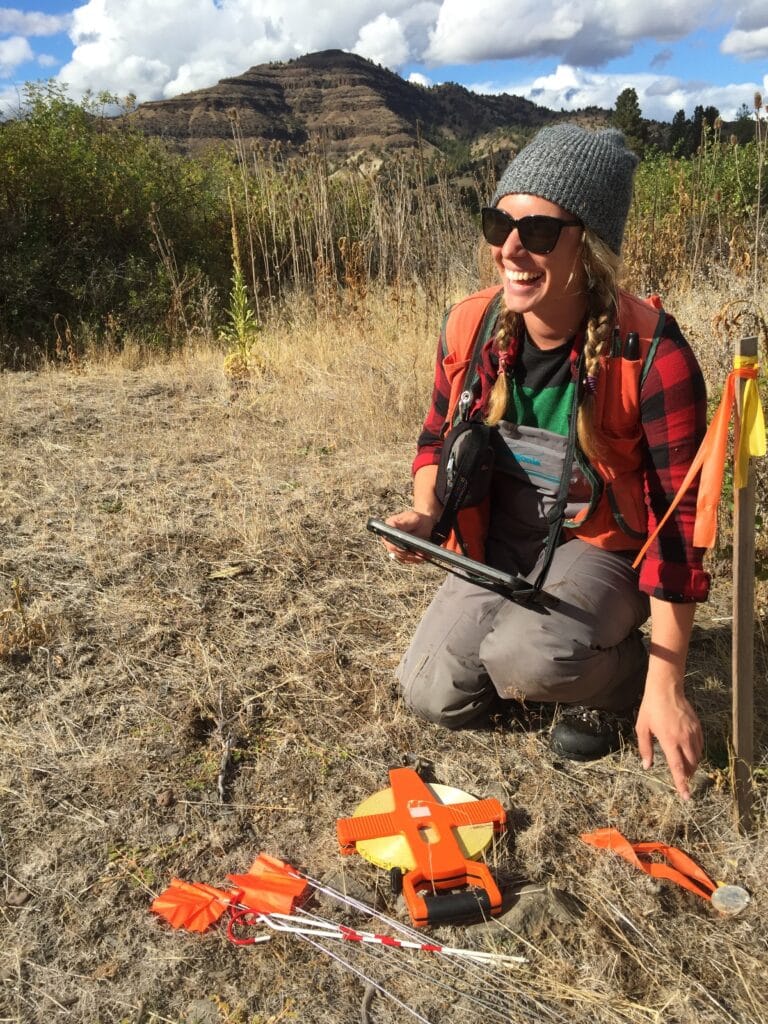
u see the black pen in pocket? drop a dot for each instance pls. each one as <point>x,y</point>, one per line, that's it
<point>632,347</point>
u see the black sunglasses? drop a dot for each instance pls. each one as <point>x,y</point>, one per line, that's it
<point>538,234</point>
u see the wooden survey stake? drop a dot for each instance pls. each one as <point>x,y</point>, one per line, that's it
<point>742,652</point>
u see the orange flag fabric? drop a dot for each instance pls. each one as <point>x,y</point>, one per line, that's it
<point>674,865</point>
<point>192,905</point>
<point>271,886</point>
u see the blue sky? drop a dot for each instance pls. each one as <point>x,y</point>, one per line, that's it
<point>560,53</point>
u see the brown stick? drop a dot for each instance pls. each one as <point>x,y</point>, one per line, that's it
<point>742,652</point>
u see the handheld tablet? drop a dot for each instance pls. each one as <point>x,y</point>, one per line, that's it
<point>517,588</point>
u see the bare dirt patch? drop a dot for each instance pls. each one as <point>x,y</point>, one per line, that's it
<point>180,571</point>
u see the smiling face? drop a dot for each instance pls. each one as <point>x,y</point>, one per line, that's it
<point>548,290</point>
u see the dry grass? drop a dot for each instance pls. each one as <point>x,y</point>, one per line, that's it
<point>193,569</point>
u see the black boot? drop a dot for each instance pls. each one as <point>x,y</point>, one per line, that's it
<point>526,716</point>
<point>585,734</point>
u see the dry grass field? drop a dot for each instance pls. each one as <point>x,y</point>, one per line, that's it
<point>182,569</point>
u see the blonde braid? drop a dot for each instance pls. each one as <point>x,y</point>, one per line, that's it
<point>505,343</point>
<point>597,339</point>
<point>601,266</point>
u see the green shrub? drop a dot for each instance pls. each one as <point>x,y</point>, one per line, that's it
<point>77,190</point>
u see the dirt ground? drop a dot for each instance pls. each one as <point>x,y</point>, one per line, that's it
<point>183,572</point>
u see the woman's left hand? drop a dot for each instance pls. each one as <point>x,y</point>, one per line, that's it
<point>667,715</point>
<point>665,712</point>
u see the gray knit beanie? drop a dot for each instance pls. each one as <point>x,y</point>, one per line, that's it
<point>588,173</point>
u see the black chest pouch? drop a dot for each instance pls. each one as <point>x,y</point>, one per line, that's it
<point>463,474</point>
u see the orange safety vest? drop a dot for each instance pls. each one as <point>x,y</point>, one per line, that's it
<point>616,516</point>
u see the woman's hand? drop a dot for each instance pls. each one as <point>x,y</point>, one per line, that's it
<point>666,715</point>
<point>419,520</point>
<point>420,524</point>
<point>665,712</point>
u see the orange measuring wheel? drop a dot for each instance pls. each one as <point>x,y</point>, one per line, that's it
<point>432,833</point>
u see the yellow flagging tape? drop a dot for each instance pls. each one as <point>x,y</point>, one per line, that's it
<point>752,428</point>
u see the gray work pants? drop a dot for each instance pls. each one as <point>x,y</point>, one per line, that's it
<point>472,644</point>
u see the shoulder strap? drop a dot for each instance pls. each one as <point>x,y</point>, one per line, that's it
<point>468,328</point>
<point>464,319</point>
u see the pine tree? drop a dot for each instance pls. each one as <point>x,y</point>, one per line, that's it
<point>678,134</point>
<point>696,128</point>
<point>744,127</point>
<point>628,118</point>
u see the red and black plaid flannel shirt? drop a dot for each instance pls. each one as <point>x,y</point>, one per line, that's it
<point>673,405</point>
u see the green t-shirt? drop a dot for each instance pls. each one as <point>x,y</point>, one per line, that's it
<point>540,388</point>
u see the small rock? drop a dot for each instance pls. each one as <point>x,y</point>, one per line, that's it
<point>354,888</point>
<point>535,908</point>
<point>203,1011</point>
<point>17,896</point>
<point>166,798</point>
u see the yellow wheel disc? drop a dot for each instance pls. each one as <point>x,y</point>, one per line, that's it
<point>394,852</point>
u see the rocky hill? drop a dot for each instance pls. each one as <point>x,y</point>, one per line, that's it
<point>354,106</point>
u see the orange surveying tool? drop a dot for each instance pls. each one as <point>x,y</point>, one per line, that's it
<point>431,833</point>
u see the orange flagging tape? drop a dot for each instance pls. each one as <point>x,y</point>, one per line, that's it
<point>675,865</point>
<point>711,456</point>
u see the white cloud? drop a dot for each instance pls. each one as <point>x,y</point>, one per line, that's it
<point>662,58</point>
<point>418,79</point>
<point>749,45</point>
<point>201,41</point>
<point>13,51</point>
<point>750,15</point>
<point>46,60</point>
<point>748,39</point>
<point>198,42</point>
<point>493,29</point>
<point>383,41</point>
<point>32,23</point>
<point>580,32</point>
<point>417,21</point>
<point>11,102</point>
<point>660,96</point>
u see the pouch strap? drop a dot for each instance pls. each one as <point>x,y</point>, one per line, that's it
<point>461,485</point>
<point>671,864</point>
<point>449,518</point>
<point>556,516</point>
